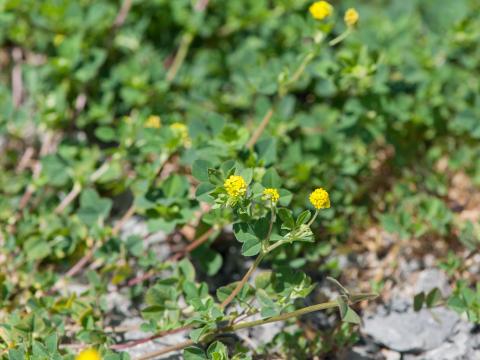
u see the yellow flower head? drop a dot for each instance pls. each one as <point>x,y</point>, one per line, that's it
<point>321,10</point>
<point>351,17</point>
<point>89,354</point>
<point>319,199</point>
<point>58,39</point>
<point>153,121</point>
<point>271,194</point>
<point>181,130</point>
<point>235,186</point>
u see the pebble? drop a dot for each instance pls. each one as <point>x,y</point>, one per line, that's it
<point>412,331</point>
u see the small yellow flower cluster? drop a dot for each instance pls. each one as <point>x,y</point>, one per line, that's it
<point>235,186</point>
<point>153,122</point>
<point>58,39</point>
<point>321,10</point>
<point>351,17</point>
<point>271,194</point>
<point>181,130</point>
<point>319,199</point>
<point>89,354</point>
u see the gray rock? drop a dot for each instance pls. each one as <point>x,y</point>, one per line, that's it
<point>118,302</point>
<point>134,226</point>
<point>264,334</point>
<point>260,335</point>
<point>134,324</point>
<point>460,346</point>
<point>400,305</point>
<point>390,354</point>
<point>358,353</point>
<point>367,351</point>
<point>74,288</point>
<point>430,279</point>
<point>412,331</point>
<point>156,241</point>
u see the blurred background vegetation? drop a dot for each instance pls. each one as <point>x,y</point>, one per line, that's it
<point>388,121</point>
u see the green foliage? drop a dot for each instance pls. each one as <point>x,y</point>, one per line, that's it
<point>249,88</point>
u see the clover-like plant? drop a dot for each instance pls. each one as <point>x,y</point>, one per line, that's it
<point>253,201</point>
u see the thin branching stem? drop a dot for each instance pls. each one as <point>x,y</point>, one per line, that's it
<point>242,282</point>
<point>242,325</point>
<point>180,56</point>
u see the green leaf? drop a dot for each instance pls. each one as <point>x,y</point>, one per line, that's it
<point>209,260</point>
<point>303,217</point>
<point>217,351</point>
<point>51,342</point>
<point>418,301</point>
<point>263,280</point>
<point>243,232</point>
<point>228,168</point>
<point>159,224</point>
<point>175,186</point>
<point>457,304</point>
<point>433,297</point>
<point>287,218</point>
<point>285,197</point>
<point>251,247</point>
<point>16,354</point>
<point>162,292</point>
<point>224,291</point>
<point>105,133</point>
<point>92,207</point>
<point>271,179</point>
<point>351,317</point>
<point>196,334</point>
<point>342,301</point>
<point>39,350</point>
<point>261,227</point>
<point>36,248</point>
<point>55,169</point>
<point>187,269</point>
<point>340,286</point>
<point>267,150</point>
<point>247,175</point>
<point>134,245</point>
<point>268,306</point>
<point>215,176</point>
<point>194,353</point>
<point>203,191</point>
<point>200,170</point>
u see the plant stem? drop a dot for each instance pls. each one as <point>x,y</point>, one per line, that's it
<point>242,282</point>
<point>340,37</point>
<point>166,350</point>
<point>259,131</point>
<point>132,343</point>
<point>301,68</point>
<point>122,14</point>
<point>313,218</point>
<point>193,245</point>
<point>77,187</point>
<point>274,246</point>
<point>128,214</point>
<point>72,195</point>
<point>255,264</point>
<point>180,56</point>
<point>282,92</point>
<point>282,317</point>
<point>243,325</point>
